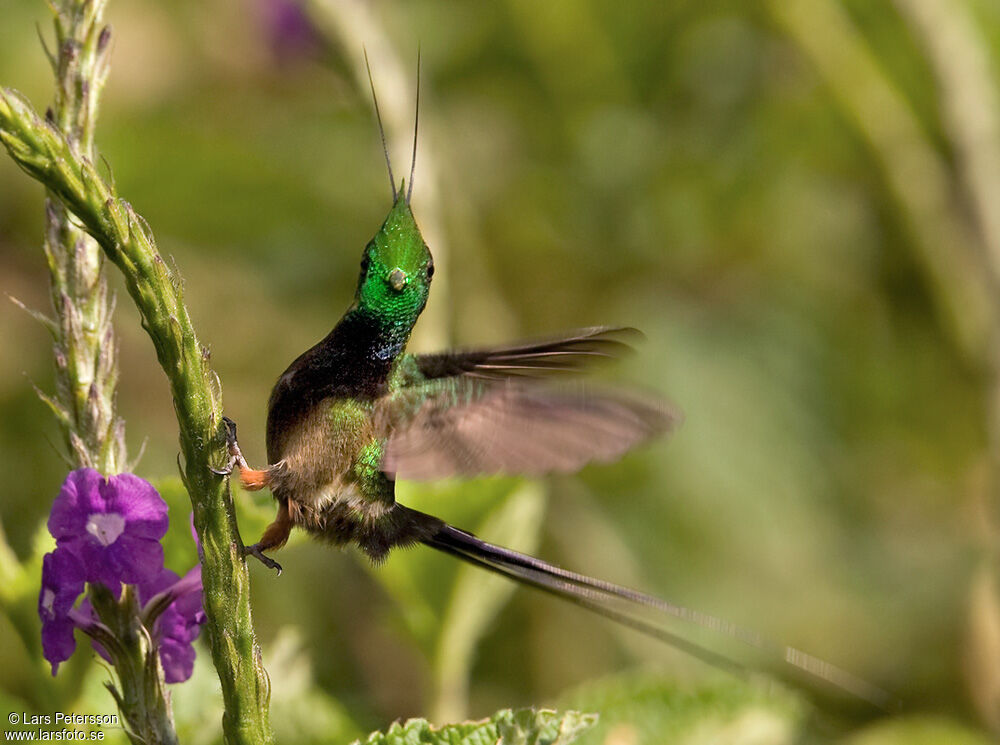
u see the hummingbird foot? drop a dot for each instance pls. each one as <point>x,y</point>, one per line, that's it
<point>224,471</point>
<point>256,551</point>
<point>233,446</point>
<point>251,479</point>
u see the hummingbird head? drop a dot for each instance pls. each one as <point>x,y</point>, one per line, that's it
<point>396,267</point>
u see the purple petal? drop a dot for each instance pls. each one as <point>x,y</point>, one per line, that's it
<point>62,583</point>
<point>177,659</point>
<point>100,564</point>
<point>172,626</point>
<point>112,525</point>
<point>156,584</point>
<point>191,610</point>
<point>182,620</point>
<point>180,628</point>
<point>138,502</point>
<point>194,534</point>
<point>94,558</point>
<point>78,498</point>
<point>99,648</point>
<point>189,586</point>
<point>288,28</point>
<point>87,616</point>
<point>189,603</point>
<point>85,550</point>
<point>134,560</point>
<point>58,643</point>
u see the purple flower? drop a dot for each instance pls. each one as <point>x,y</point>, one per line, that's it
<point>108,531</point>
<point>113,526</point>
<point>289,30</point>
<point>179,625</point>
<point>62,583</point>
<point>175,628</point>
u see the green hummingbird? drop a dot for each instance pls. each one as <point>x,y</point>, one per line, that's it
<point>356,412</point>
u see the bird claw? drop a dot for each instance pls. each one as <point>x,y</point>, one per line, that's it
<point>235,454</point>
<point>226,470</point>
<point>256,551</point>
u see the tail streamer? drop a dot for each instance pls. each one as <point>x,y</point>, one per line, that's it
<point>650,615</point>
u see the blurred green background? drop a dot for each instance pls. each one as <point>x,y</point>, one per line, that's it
<point>792,199</point>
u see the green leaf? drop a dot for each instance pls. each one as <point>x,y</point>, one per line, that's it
<point>506,727</point>
<point>644,709</point>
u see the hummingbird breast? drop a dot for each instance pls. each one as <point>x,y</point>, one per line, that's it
<point>331,453</point>
<point>322,440</point>
<point>331,478</point>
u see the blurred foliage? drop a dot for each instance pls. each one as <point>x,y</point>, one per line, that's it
<point>645,708</point>
<point>688,168</point>
<point>522,727</point>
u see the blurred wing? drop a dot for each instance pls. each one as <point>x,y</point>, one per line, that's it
<point>534,358</point>
<point>465,427</point>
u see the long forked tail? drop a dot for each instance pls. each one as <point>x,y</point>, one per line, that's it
<point>654,616</point>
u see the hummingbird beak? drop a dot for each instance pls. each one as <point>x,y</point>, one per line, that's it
<point>397,279</point>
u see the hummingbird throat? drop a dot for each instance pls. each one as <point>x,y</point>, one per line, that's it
<point>387,330</point>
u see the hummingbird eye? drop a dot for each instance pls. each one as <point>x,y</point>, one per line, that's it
<point>430,270</point>
<point>365,260</point>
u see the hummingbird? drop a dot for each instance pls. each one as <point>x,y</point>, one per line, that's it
<point>356,412</point>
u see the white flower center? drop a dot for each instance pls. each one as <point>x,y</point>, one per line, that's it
<point>48,600</point>
<point>106,527</point>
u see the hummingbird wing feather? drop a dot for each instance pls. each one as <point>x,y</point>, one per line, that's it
<point>465,426</point>
<point>532,359</point>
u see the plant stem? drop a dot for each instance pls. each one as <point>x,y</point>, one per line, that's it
<point>85,347</point>
<point>44,153</point>
<point>143,699</point>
